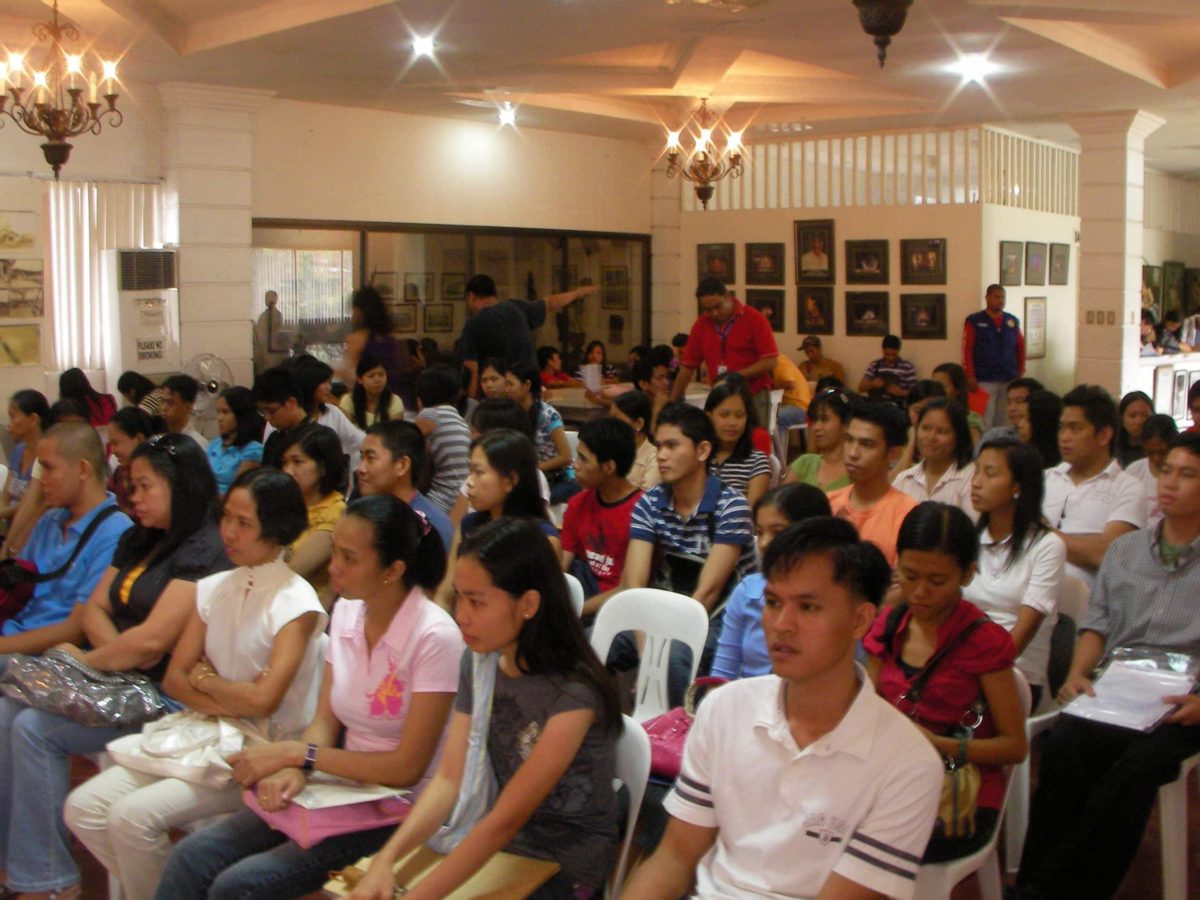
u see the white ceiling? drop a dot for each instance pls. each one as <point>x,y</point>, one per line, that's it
<point>630,67</point>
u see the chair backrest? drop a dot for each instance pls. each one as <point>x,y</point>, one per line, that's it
<point>661,616</point>
<point>575,589</point>
<point>633,771</point>
<point>776,400</point>
<point>1023,691</point>
<point>776,469</point>
<point>573,442</point>
<point>1073,596</point>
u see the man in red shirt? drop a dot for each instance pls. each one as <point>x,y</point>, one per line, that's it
<point>729,337</point>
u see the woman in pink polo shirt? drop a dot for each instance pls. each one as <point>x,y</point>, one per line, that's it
<point>390,679</point>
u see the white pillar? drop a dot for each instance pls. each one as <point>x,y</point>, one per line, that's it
<point>208,152</point>
<point>667,313</point>
<point>1111,187</point>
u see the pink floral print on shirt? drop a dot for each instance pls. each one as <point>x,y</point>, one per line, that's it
<point>387,700</point>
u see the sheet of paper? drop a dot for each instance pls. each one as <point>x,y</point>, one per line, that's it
<point>592,377</point>
<point>323,792</point>
<point>1130,696</point>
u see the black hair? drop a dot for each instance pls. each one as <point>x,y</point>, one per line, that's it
<point>680,340</point>
<point>73,384</point>
<point>964,446</point>
<point>402,438</point>
<point>610,439</point>
<point>67,408</point>
<point>636,405</point>
<point>891,342</point>
<point>492,362</point>
<point>709,287</point>
<point>925,389</point>
<point>1025,465</point>
<point>1159,426</point>
<point>402,534</point>
<point>1029,384</point>
<point>828,383</point>
<point>835,401</point>
<point>858,566</point>
<point>372,311</point>
<point>958,378</point>
<point>694,423</point>
<point>514,456</point>
<point>588,351</point>
<point>184,465</point>
<point>310,373</point>
<point>185,386</point>
<point>32,403</point>
<point>481,286</point>
<point>993,287</point>
<point>662,355</point>
<point>1097,405</point>
<point>643,370</point>
<point>276,385</point>
<point>282,515</point>
<point>545,354</point>
<point>133,420</point>
<point>797,501</point>
<point>1045,409</point>
<point>322,445</point>
<point>134,385</point>
<point>250,423</point>
<point>358,394</point>
<point>497,412</point>
<point>518,558</point>
<point>721,392</point>
<point>1122,436</point>
<point>933,527</point>
<point>1148,318</point>
<point>527,371</point>
<point>439,385</point>
<point>887,416</point>
<point>1193,394</point>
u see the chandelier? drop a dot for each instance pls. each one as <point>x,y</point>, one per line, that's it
<point>705,164</point>
<point>882,20</point>
<point>49,102</point>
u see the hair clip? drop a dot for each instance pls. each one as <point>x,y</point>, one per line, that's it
<point>424,522</point>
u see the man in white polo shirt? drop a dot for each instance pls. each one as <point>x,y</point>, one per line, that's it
<point>1090,501</point>
<point>804,782</point>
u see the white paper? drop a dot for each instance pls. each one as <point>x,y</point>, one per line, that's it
<point>592,377</point>
<point>1130,696</point>
<point>325,791</point>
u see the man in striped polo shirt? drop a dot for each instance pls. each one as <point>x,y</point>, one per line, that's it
<point>804,782</point>
<point>1097,782</point>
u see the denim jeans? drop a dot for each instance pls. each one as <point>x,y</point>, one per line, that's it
<point>243,857</point>
<point>34,778</point>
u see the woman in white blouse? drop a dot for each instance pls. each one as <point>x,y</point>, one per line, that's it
<point>1020,561</point>
<point>944,450</point>
<point>1157,433</point>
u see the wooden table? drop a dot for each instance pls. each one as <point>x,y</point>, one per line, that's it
<point>576,409</point>
<point>505,876</point>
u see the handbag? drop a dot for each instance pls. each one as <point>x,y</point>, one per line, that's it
<point>308,822</point>
<point>57,682</point>
<point>186,745</point>
<point>668,732</point>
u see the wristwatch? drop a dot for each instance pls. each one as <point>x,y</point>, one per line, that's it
<point>310,758</point>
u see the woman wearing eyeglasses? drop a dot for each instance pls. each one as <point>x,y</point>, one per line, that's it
<point>828,414</point>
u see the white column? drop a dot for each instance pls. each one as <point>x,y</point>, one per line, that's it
<point>1111,186</point>
<point>208,152</point>
<point>668,315</point>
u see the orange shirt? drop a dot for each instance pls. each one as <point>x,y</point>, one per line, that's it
<point>881,523</point>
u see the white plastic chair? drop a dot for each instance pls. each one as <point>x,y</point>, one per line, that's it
<point>776,469</point>
<point>576,591</point>
<point>661,616</point>
<point>633,771</point>
<point>573,442</point>
<point>1172,817</point>
<point>936,880</point>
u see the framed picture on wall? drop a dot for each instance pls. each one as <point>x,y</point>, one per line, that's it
<point>923,317</point>
<point>814,251</point>
<point>1164,384</point>
<point>1010,263</point>
<point>769,303</point>
<point>867,262</point>
<point>454,286</point>
<point>614,287</point>
<point>1035,327</point>
<point>387,283</point>
<point>1172,287</point>
<point>1060,264</point>
<point>1152,290</point>
<point>716,261</point>
<point>814,309</point>
<point>1191,292</point>
<point>418,286</point>
<point>764,263</point>
<point>439,317</point>
<point>866,313</point>
<point>1035,263</point>
<point>404,317</point>
<point>1179,406</point>
<point>923,261</point>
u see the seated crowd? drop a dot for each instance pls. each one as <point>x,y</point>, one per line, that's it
<point>373,590</point>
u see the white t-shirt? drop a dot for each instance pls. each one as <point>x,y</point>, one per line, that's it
<point>953,488</point>
<point>1140,469</point>
<point>245,609</point>
<point>1033,580</point>
<point>859,801</point>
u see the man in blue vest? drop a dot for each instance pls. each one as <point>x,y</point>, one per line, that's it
<point>993,352</point>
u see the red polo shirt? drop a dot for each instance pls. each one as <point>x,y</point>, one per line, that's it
<point>740,342</point>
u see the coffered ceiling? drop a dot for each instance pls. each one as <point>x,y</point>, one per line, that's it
<point>630,68</point>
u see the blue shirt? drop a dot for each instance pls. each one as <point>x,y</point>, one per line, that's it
<point>226,460</point>
<point>438,520</point>
<point>48,549</point>
<point>742,648</point>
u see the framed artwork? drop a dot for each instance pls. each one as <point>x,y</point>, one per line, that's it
<point>404,317</point>
<point>1172,287</point>
<point>867,262</point>
<point>387,283</point>
<point>764,264</point>
<point>923,317</point>
<point>1179,406</point>
<point>1163,385</point>
<point>814,309</point>
<point>814,251</point>
<point>564,278</point>
<point>418,286</point>
<point>769,303</point>
<point>1152,278</point>
<point>923,261</point>
<point>439,317</point>
<point>616,329</point>
<point>18,231</point>
<point>866,313</point>
<point>454,286</point>
<point>1035,327</point>
<point>716,261</point>
<point>1035,263</point>
<point>614,287</point>
<point>1060,264</point>
<point>22,293</point>
<point>1010,263</point>
<point>1191,292</point>
<point>21,345</point>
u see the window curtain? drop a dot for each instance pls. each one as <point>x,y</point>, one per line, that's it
<point>86,221</point>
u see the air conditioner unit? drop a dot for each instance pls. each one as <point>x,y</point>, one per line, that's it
<point>146,317</point>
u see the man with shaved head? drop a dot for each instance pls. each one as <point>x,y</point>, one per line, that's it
<point>73,477</point>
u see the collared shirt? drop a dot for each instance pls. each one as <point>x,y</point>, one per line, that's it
<point>799,394</point>
<point>859,801</point>
<point>742,647</point>
<point>48,548</point>
<point>1088,507</point>
<point>738,343</point>
<point>1138,599</point>
<point>901,371</point>
<point>954,487</point>
<point>880,524</point>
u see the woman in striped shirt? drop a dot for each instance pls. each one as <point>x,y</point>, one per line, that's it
<point>734,459</point>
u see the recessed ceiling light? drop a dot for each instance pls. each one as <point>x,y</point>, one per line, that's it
<point>508,115</point>
<point>422,45</point>
<point>973,67</point>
